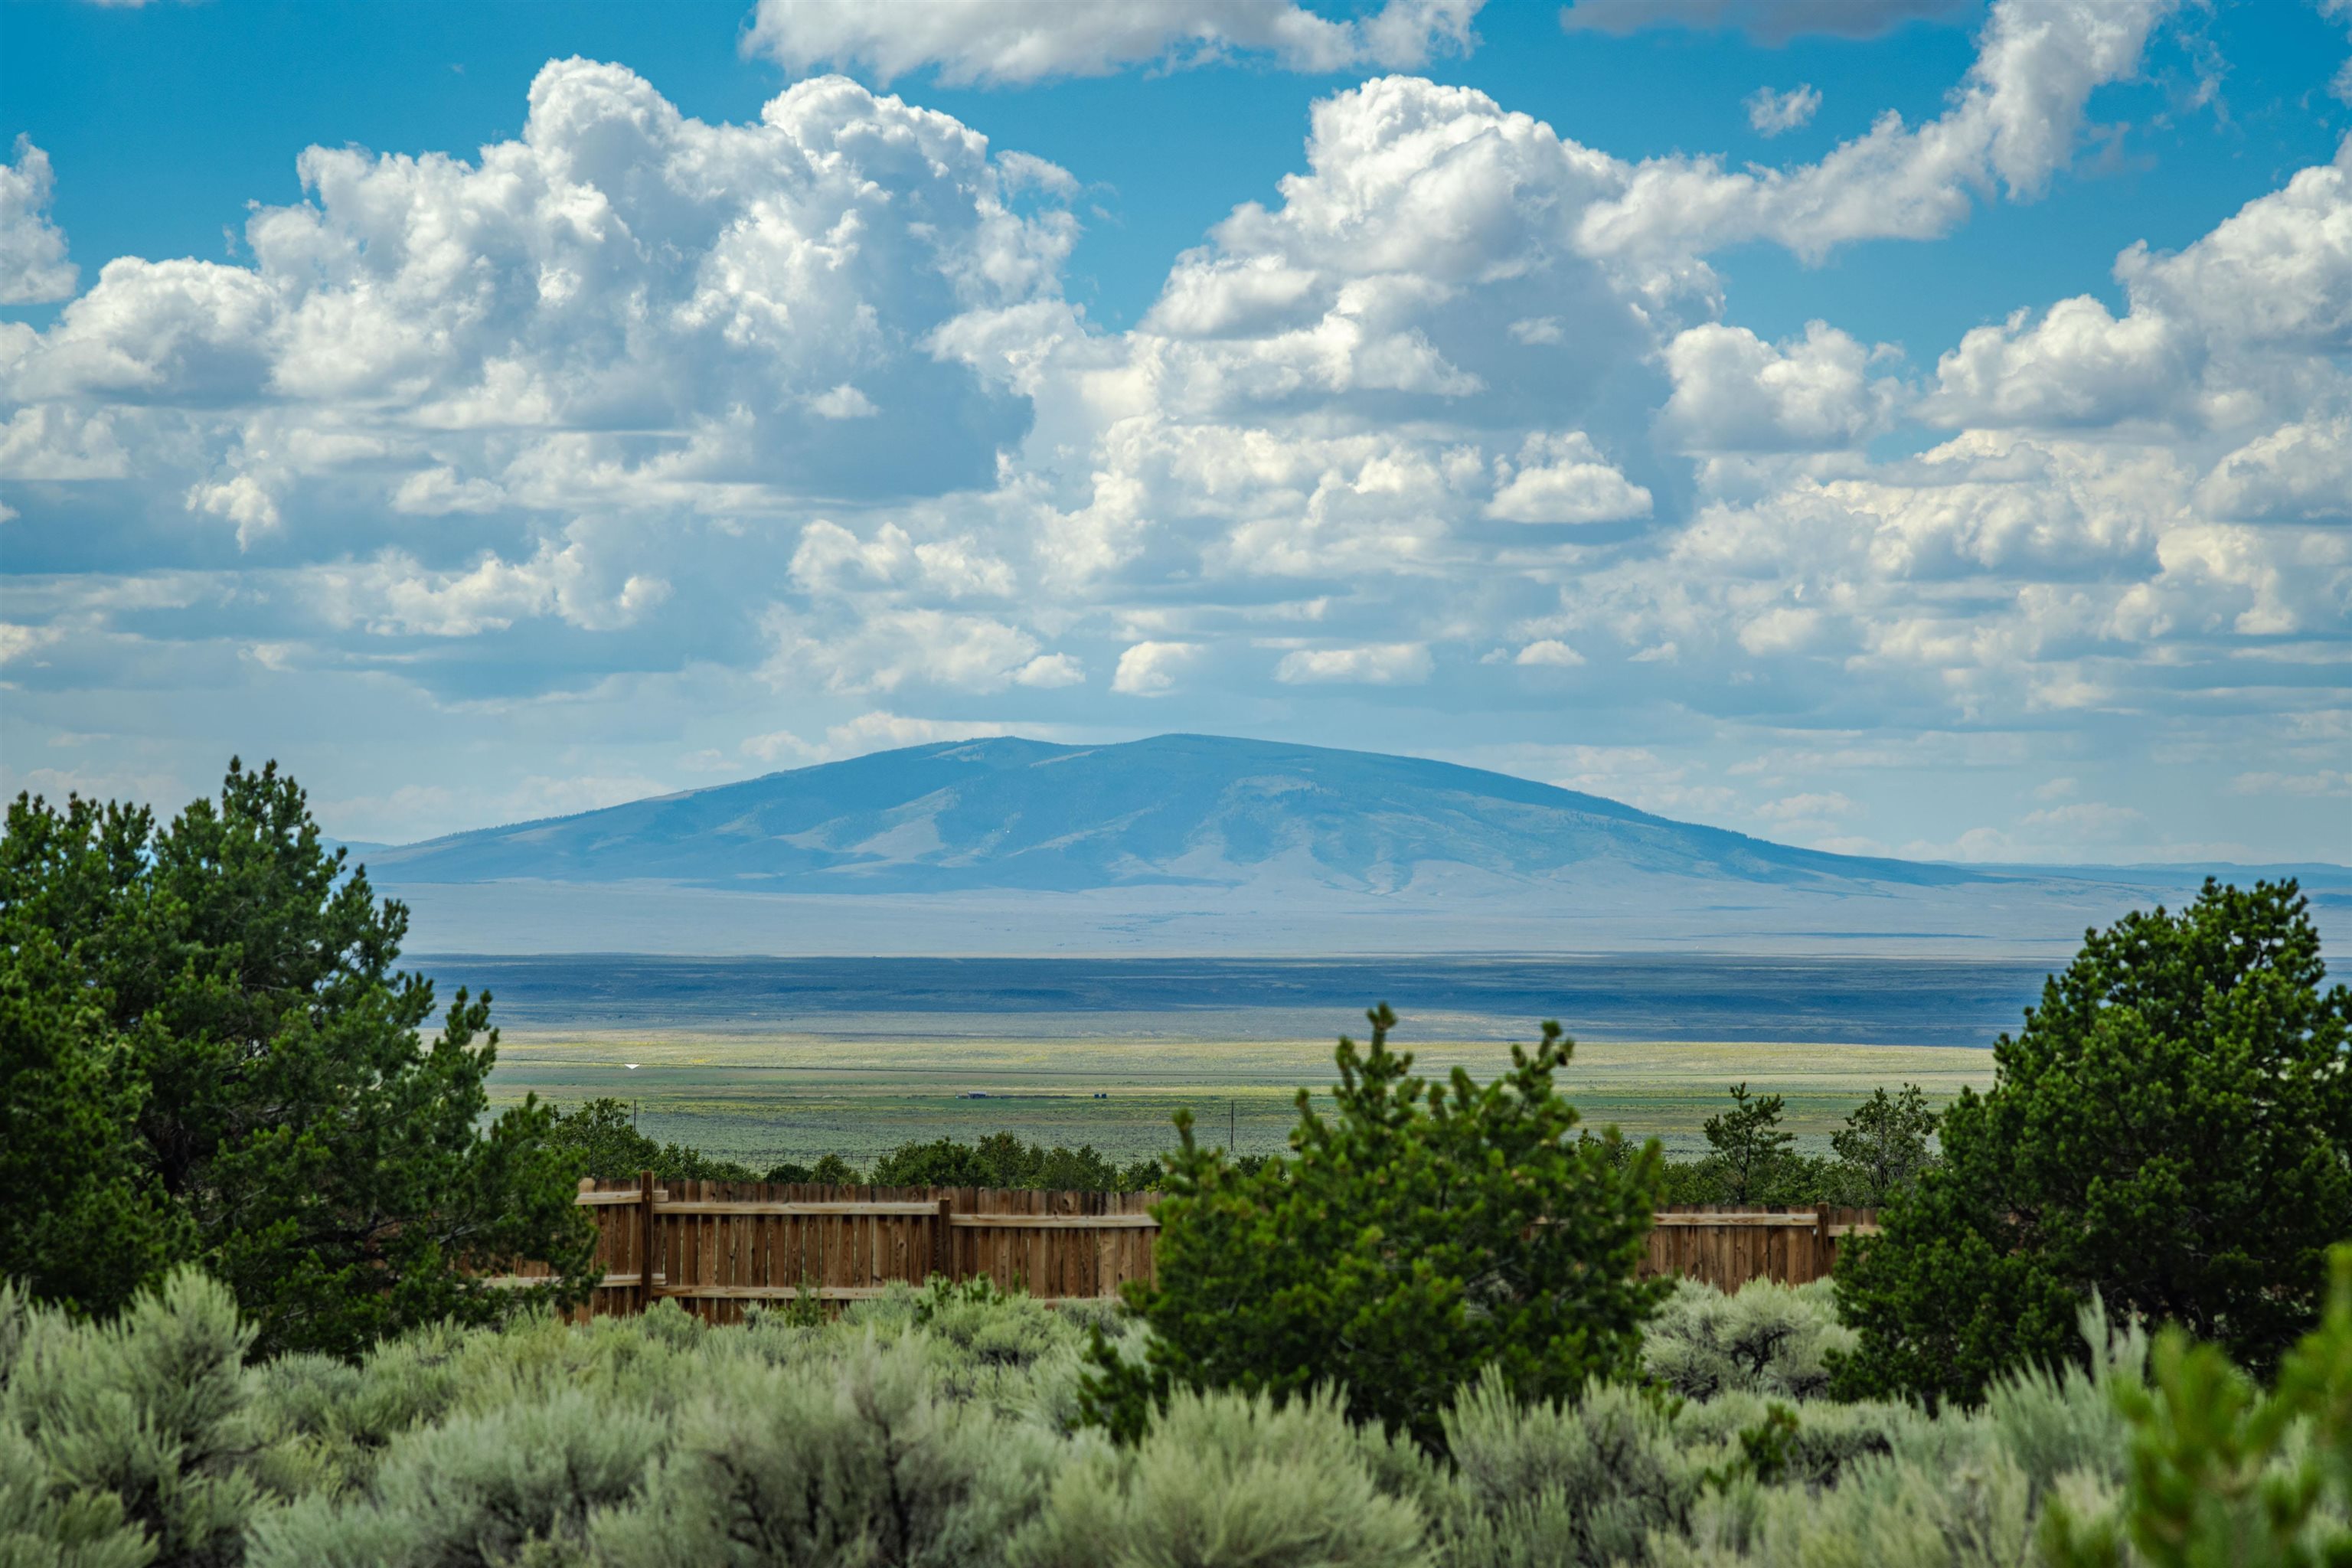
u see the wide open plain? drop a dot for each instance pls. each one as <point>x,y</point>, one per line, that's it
<point>765,1060</point>
<point>765,1098</point>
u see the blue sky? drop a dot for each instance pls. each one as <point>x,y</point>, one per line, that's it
<point>1888,425</point>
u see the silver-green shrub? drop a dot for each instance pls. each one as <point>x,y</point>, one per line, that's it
<point>859,1459</point>
<point>2056,1423</point>
<point>1228,1481</point>
<point>1550,1482</point>
<point>1959,1490</point>
<point>1765,1338</point>
<point>941,1427</point>
<point>1595,1482</point>
<point>477,1489</point>
<point>1975,1515</point>
<point>43,1525</point>
<point>147,1410</point>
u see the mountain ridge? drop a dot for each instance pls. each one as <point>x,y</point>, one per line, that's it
<point>1011,814</point>
<point>1208,845</point>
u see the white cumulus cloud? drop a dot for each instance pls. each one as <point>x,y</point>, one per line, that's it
<point>33,265</point>
<point>2015,120</point>
<point>1771,113</point>
<point>1152,669</point>
<point>716,430</point>
<point>1734,392</point>
<point>1011,42</point>
<point>1548,651</point>
<point>1564,478</point>
<point>1382,664</point>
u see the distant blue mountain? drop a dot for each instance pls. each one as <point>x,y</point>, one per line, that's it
<point>1175,811</point>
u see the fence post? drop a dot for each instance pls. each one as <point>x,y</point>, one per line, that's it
<point>645,1240</point>
<point>943,1241</point>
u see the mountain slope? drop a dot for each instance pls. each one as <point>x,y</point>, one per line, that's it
<point>1174,811</point>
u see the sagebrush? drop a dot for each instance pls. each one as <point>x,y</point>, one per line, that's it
<point>942,1427</point>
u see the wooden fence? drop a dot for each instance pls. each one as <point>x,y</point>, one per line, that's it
<point>718,1247</point>
<point>1726,1247</point>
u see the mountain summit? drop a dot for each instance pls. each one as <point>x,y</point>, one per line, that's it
<point>1204,844</point>
<point>1197,811</point>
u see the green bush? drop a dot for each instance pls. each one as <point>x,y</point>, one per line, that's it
<point>599,1137</point>
<point>87,1221</point>
<point>1881,1150</point>
<point>1749,1149</point>
<point>2172,1128</point>
<point>1002,1160</point>
<point>2220,1472</point>
<point>1419,1235</point>
<point>1883,1144</point>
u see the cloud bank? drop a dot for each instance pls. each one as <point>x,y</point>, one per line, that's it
<point>640,435</point>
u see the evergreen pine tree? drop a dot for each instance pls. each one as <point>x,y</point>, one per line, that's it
<point>1883,1144</point>
<point>1419,1234</point>
<point>2172,1128</point>
<point>221,995</point>
<point>1749,1147</point>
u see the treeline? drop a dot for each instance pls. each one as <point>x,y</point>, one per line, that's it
<point>600,1137</point>
<point>1886,1142</point>
<point>1881,1149</point>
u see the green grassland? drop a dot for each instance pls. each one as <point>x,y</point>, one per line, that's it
<point>768,1097</point>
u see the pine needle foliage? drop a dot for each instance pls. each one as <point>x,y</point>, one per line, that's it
<point>2171,1129</point>
<point>1419,1234</point>
<point>1749,1147</point>
<point>212,1008</point>
<point>1883,1144</point>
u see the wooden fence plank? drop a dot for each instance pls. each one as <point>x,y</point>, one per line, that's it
<point>644,1231</point>
<point>717,1246</point>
